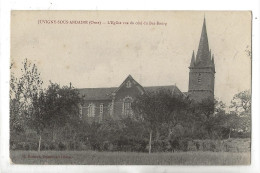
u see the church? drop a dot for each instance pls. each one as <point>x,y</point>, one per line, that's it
<point>115,102</point>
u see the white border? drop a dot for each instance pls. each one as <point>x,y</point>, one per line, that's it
<point>8,5</point>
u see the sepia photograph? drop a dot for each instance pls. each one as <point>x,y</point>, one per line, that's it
<point>130,87</point>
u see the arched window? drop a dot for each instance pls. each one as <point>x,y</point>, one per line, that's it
<point>127,109</point>
<point>91,110</point>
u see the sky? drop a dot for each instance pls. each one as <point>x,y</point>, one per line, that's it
<point>101,54</point>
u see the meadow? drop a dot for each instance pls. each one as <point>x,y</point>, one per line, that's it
<point>129,158</point>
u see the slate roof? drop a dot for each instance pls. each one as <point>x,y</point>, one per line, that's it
<point>105,93</point>
<point>97,93</point>
<point>156,88</point>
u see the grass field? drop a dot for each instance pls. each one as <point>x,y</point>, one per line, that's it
<point>129,158</point>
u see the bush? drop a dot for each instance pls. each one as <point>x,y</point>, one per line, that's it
<point>12,145</point>
<point>23,145</point>
<point>45,146</point>
<point>53,146</point>
<point>96,145</point>
<point>212,146</point>
<point>62,146</point>
<point>161,146</point>
<point>107,146</point>
<point>17,145</point>
<point>236,134</point>
<point>174,143</point>
<point>33,146</point>
<point>192,146</point>
<point>74,145</point>
<point>124,143</point>
<point>139,145</point>
<point>183,144</point>
<point>83,146</point>
<point>197,144</point>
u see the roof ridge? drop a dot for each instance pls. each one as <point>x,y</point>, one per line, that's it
<point>159,86</point>
<point>98,88</point>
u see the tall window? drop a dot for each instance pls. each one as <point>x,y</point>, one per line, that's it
<point>199,78</point>
<point>91,110</point>
<point>101,108</point>
<point>80,111</point>
<point>127,109</point>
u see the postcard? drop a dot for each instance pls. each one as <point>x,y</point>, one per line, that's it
<point>130,87</point>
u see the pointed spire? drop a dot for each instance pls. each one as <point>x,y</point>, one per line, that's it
<point>203,50</point>
<point>213,63</point>
<point>210,57</point>
<point>192,62</point>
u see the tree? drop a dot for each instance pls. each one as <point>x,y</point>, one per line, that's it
<point>105,135</point>
<point>147,108</point>
<point>241,105</point>
<point>201,114</point>
<point>61,107</point>
<point>204,116</point>
<point>230,122</point>
<point>23,91</point>
<point>206,107</point>
<point>33,108</point>
<point>37,120</point>
<point>219,106</point>
<point>56,108</point>
<point>157,108</point>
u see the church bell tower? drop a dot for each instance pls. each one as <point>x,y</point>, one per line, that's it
<point>202,70</point>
